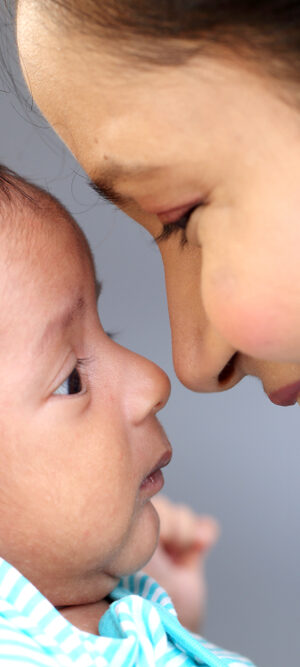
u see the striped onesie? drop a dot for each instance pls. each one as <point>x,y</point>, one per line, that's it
<point>140,629</point>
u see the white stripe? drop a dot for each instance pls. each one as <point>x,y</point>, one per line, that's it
<point>17,663</point>
<point>122,652</point>
<point>122,608</point>
<point>101,662</point>
<point>157,594</point>
<point>40,610</point>
<point>161,648</point>
<point>177,660</point>
<point>55,626</point>
<point>127,625</point>
<point>45,640</point>
<point>10,634</point>
<point>84,660</point>
<point>23,652</point>
<point>11,577</point>
<point>26,594</point>
<point>148,649</point>
<point>153,620</point>
<point>70,643</point>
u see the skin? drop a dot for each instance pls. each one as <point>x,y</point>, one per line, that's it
<point>233,289</point>
<point>74,516</point>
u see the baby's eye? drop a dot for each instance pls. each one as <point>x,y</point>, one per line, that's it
<point>71,385</point>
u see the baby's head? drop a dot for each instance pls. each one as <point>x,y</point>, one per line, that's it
<point>81,446</point>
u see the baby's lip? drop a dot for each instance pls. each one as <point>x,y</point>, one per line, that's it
<point>286,395</point>
<point>162,462</point>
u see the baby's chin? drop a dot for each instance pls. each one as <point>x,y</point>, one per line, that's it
<point>140,546</point>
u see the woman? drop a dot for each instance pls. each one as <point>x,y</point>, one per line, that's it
<point>186,116</point>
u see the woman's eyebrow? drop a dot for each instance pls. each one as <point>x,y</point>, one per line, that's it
<point>104,184</point>
<point>108,192</point>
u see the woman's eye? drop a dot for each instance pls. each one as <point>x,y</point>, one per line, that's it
<point>71,385</point>
<point>176,226</point>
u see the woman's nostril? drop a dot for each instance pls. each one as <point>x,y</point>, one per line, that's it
<point>228,370</point>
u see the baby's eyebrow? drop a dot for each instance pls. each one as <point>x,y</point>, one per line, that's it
<point>98,287</point>
<point>61,321</point>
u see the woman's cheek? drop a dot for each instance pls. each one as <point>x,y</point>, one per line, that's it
<point>253,317</point>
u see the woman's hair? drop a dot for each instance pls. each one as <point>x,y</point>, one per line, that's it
<point>169,32</point>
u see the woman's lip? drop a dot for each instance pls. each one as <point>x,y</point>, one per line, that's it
<point>286,395</point>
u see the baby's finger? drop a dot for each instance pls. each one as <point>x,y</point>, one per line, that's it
<point>182,529</point>
<point>207,532</point>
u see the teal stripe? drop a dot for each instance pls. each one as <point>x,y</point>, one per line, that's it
<point>151,591</point>
<point>4,569</point>
<point>77,652</point>
<point>142,584</point>
<point>18,642</point>
<point>25,661</point>
<point>64,634</point>
<point>32,604</point>
<point>16,590</point>
<point>45,621</point>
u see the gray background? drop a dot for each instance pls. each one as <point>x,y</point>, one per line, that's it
<point>235,455</point>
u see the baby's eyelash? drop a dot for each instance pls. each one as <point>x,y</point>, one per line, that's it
<point>111,334</point>
<point>83,362</point>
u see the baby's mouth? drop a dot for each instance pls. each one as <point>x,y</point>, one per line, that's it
<point>154,481</point>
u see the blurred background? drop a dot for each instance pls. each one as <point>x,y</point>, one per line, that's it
<point>236,455</point>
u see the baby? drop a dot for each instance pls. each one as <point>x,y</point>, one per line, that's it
<point>82,452</point>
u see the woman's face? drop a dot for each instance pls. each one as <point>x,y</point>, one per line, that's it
<point>208,137</point>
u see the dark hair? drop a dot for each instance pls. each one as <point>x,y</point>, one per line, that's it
<point>13,184</point>
<point>163,32</point>
<point>15,191</point>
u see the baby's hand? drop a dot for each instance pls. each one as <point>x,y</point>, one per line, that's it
<point>178,562</point>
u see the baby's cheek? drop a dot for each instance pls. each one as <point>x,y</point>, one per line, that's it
<point>254,318</point>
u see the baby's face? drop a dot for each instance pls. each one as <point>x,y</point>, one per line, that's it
<point>79,433</point>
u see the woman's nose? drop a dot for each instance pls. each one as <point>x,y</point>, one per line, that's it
<point>203,360</point>
<point>146,387</point>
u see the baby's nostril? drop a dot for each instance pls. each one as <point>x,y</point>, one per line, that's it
<point>228,370</point>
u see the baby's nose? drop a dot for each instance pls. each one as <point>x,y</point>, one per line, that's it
<point>148,388</point>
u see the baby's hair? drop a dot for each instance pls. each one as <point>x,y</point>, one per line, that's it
<point>13,186</point>
<point>169,32</point>
<point>17,192</point>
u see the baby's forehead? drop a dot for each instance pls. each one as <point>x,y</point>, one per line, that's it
<point>43,252</point>
<point>33,222</point>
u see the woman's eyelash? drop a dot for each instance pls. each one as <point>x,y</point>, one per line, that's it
<point>168,230</point>
<point>175,227</point>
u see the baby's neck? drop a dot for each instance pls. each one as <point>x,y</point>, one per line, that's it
<point>86,616</point>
